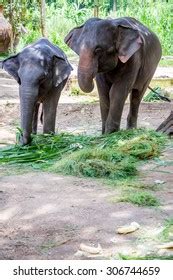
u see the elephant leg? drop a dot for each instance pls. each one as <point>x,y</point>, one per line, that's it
<point>35,118</point>
<point>122,86</point>
<point>118,95</point>
<point>135,100</point>
<point>50,107</point>
<point>103,90</point>
<point>49,111</point>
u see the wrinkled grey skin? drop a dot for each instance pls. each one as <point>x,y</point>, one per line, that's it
<point>41,69</point>
<point>122,54</point>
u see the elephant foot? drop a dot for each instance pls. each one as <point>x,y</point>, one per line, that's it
<point>25,140</point>
<point>103,128</point>
<point>131,126</point>
<point>131,122</point>
<point>49,131</point>
<point>111,128</point>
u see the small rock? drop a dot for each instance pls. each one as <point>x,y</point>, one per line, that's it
<point>165,252</point>
<point>90,250</point>
<point>80,254</point>
<point>128,229</point>
<point>168,245</point>
<point>114,240</point>
<point>159,182</point>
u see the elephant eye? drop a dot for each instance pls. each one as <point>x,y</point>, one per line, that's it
<point>42,78</point>
<point>111,50</point>
<point>98,50</point>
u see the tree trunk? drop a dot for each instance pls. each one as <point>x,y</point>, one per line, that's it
<point>43,17</point>
<point>96,8</point>
<point>12,24</point>
<point>114,5</point>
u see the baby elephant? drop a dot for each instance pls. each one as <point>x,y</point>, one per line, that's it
<point>41,70</point>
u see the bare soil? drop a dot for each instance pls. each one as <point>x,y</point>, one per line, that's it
<point>48,216</point>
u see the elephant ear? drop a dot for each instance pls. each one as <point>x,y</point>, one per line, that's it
<point>129,41</point>
<point>61,70</point>
<point>11,65</point>
<point>73,39</point>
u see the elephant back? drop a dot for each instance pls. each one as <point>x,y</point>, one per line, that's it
<point>5,32</point>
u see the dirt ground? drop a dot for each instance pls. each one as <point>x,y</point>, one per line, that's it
<point>48,216</point>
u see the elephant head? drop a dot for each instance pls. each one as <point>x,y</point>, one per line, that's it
<point>40,65</point>
<point>101,45</point>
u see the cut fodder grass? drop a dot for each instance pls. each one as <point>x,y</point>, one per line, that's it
<point>167,233</point>
<point>147,257</point>
<point>141,147</point>
<point>133,183</point>
<point>98,164</point>
<point>139,143</point>
<point>140,198</point>
<point>44,148</point>
<point>113,156</point>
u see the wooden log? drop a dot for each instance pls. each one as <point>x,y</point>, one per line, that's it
<point>167,125</point>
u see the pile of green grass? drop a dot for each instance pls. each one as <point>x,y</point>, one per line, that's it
<point>148,257</point>
<point>140,198</point>
<point>167,234</point>
<point>113,156</point>
<point>94,162</point>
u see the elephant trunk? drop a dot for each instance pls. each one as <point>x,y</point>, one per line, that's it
<point>87,70</point>
<point>28,99</point>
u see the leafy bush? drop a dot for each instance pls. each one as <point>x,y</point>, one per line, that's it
<point>59,21</point>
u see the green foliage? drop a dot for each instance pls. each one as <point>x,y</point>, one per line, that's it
<point>167,233</point>
<point>157,15</point>
<point>75,91</point>
<point>62,16</point>
<point>59,20</point>
<point>166,62</point>
<point>148,257</point>
<point>160,94</point>
<point>152,96</point>
<point>76,14</point>
<point>140,198</point>
<point>18,10</point>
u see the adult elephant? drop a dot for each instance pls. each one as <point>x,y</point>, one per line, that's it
<point>123,55</point>
<point>41,69</point>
